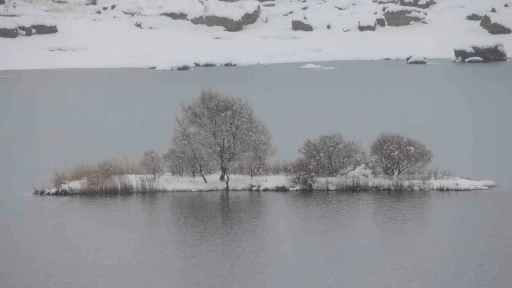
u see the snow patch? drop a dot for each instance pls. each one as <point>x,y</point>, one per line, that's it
<point>311,66</point>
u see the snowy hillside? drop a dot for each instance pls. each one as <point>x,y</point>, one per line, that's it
<point>144,33</point>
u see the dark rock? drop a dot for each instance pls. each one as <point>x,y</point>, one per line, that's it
<point>328,26</point>
<point>91,2</point>
<point>113,7</point>
<point>474,17</point>
<point>175,16</point>
<point>130,13</point>
<point>305,8</point>
<point>490,53</point>
<point>8,33</point>
<point>105,8</point>
<point>385,1</point>
<point>287,14</point>
<point>55,1</point>
<point>506,5</point>
<point>2,2</point>
<point>493,27</point>
<point>98,12</point>
<point>417,3</point>
<point>269,5</point>
<point>228,23</point>
<point>138,25</point>
<point>381,22</point>
<point>367,27</point>
<point>230,64</point>
<point>493,10</point>
<point>298,25</point>
<point>403,17</point>
<point>44,29</point>
<point>26,31</point>
<point>183,68</point>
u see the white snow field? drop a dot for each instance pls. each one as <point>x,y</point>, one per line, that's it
<point>87,39</point>
<point>360,178</point>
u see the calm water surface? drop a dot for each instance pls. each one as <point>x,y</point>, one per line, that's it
<point>250,239</point>
<point>429,239</point>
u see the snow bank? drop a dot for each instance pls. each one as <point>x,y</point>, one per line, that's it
<point>360,179</point>
<point>112,40</point>
<point>474,60</point>
<point>7,24</point>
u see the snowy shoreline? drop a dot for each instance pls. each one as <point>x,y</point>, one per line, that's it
<point>132,184</point>
<point>112,39</point>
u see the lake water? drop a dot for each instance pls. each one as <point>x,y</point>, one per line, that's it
<point>50,119</point>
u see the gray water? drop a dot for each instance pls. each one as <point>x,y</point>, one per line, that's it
<point>50,119</point>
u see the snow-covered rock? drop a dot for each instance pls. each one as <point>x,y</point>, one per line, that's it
<point>423,4</point>
<point>29,26</point>
<point>474,60</point>
<point>8,29</point>
<point>416,60</point>
<point>495,24</point>
<point>301,25</point>
<point>402,16</point>
<point>368,23</point>
<point>487,52</point>
<point>232,16</point>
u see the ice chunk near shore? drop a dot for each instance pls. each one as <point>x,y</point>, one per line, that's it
<point>474,60</point>
<point>416,60</point>
<point>311,66</point>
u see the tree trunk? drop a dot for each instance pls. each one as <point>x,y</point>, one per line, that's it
<point>193,173</point>
<point>202,174</point>
<point>227,183</point>
<point>223,173</point>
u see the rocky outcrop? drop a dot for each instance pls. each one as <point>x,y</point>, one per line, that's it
<point>416,60</point>
<point>365,26</point>
<point>381,21</point>
<point>8,29</point>
<point>28,26</point>
<point>299,25</point>
<point>175,15</point>
<point>403,16</point>
<point>474,17</point>
<point>494,27</point>
<point>228,23</point>
<point>488,53</point>
<point>8,32</point>
<point>423,4</point>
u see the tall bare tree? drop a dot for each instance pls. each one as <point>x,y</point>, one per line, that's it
<point>224,128</point>
<point>395,153</point>
<point>331,154</point>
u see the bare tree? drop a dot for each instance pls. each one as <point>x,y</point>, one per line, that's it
<point>331,154</point>
<point>151,163</point>
<point>224,129</point>
<point>395,153</point>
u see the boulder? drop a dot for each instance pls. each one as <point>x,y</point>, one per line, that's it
<point>8,29</point>
<point>300,25</point>
<point>381,21</point>
<point>416,60</point>
<point>423,4</point>
<point>494,27</point>
<point>401,16</point>
<point>29,26</point>
<point>367,24</point>
<point>506,5</point>
<point>2,2</point>
<point>474,17</point>
<point>493,10</point>
<point>230,16</point>
<point>488,53</point>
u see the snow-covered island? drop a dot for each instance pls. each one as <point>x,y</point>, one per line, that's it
<point>168,34</point>
<point>220,144</point>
